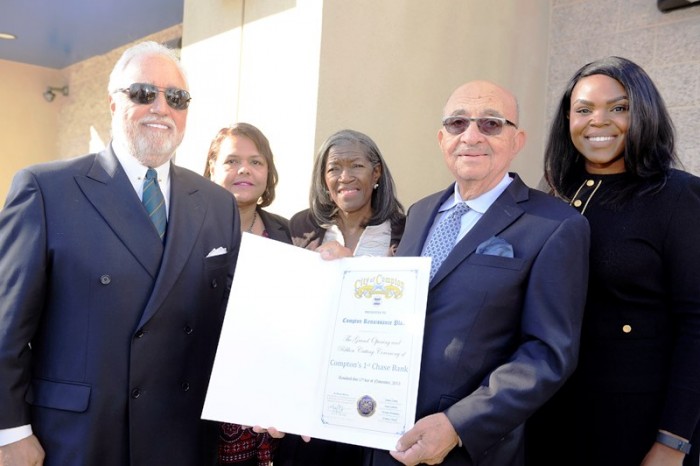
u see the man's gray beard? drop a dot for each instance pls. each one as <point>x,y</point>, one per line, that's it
<point>151,149</point>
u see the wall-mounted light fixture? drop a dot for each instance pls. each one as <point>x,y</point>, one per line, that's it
<point>668,5</point>
<point>50,93</point>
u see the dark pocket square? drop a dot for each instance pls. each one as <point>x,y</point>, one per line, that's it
<point>495,246</point>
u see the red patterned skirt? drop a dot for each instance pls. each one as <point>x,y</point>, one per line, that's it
<point>241,445</point>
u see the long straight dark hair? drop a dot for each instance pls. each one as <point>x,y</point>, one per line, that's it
<point>649,150</point>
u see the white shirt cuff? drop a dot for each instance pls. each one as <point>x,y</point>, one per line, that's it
<point>8,436</point>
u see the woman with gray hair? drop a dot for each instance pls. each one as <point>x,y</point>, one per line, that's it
<point>352,200</point>
<point>353,211</point>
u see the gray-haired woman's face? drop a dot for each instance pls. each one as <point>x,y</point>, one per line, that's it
<point>350,178</point>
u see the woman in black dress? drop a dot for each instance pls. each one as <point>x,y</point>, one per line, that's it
<point>635,396</point>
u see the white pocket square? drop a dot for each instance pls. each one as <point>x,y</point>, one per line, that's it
<point>217,251</point>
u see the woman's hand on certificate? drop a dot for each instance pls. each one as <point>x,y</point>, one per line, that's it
<point>274,433</point>
<point>333,250</point>
<point>429,441</point>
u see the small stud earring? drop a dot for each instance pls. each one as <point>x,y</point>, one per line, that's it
<point>376,185</point>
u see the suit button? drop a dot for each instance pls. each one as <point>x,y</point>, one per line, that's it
<point>135,393</point>
<point>185,386</point>
<point>188,329</point>
<point>627,328</point>
<point>214,283</point>
<point>105,279</point>
<point>590,183</point>
<point>140,334</point>
<point>577,203</point>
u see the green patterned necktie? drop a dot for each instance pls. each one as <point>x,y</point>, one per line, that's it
<point>154,202</point>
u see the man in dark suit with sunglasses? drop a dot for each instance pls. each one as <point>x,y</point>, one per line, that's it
<point>505,299</point>
<point>110,308</point>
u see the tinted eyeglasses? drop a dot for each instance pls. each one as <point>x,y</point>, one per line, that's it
<point>488,126</point>
<point>145,94</point>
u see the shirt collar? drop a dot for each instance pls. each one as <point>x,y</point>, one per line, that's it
<point>478,204</point>
<point>136,172</point>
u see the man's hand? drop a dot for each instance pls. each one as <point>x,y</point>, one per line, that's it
<point>25,452</point>
<point>429,441</point>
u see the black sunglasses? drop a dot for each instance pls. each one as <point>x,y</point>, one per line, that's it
<point>145,94</point>
<point>488,126</point>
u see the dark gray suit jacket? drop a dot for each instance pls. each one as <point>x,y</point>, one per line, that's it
<point>105,348</point>
<point>501,333</point>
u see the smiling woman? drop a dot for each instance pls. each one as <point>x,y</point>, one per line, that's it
<point>240,160</point>
<point>352,200</point>
<point>635,396</point>
<point>598,122</point>
<point>353,207</point>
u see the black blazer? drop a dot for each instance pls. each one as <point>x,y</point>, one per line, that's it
<point>277,227</point>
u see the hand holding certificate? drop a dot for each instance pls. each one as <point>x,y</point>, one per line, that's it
<point>331,348</point>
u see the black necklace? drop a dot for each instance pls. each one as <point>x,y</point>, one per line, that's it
<point>252,224</point>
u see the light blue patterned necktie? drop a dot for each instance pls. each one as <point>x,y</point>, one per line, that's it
<point>154,202</point>
<point>444,237</point>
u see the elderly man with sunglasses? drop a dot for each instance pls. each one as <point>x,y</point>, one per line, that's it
<point>506,293</point>
<point>114,274</point>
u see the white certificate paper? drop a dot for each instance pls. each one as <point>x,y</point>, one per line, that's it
<point>329,349</point>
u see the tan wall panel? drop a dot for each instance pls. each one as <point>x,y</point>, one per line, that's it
<point>388,67</point>
<point>28,123</point>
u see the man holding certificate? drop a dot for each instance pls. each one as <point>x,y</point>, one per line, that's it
<point>506,293</point>
<point>502,321</point>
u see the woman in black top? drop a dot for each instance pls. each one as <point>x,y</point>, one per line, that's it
<point>635,397</point>
<point>240,160</point>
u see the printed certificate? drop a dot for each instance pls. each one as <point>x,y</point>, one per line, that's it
<point>329,349</point>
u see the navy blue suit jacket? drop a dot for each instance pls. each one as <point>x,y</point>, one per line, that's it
<point>105,348</point>
<point>501,333</point>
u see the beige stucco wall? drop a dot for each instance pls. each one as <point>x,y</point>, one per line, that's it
<point>28,124</point>
<point>303,69</point>
<point>387,68</point>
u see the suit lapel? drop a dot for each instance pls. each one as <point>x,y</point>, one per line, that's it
<point>108,189</point>
<point>503,212</point>
<point>185,220</point>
